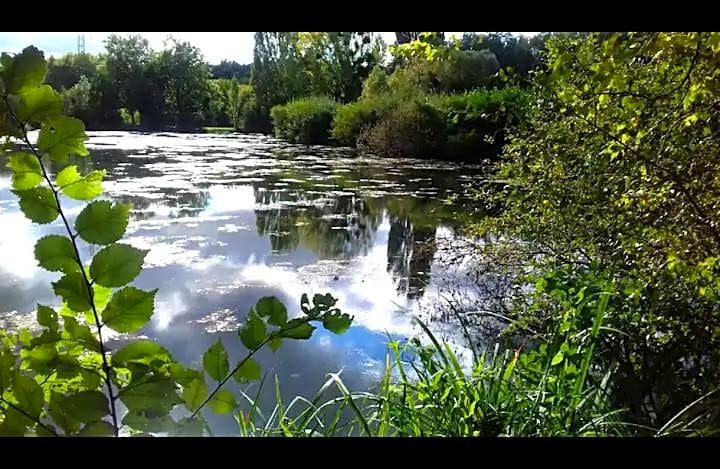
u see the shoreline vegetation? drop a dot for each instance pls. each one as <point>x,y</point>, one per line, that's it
<point>601,251</point>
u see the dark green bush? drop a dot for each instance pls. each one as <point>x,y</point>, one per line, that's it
<point>305,120</point>
<point>466,126</point>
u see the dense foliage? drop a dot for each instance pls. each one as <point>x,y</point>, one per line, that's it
<point>306,120</point>
<point>615,173</point>
<point>604,232</point>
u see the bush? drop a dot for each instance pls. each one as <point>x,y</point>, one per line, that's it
<point>476,122</point>
<point>455,126</point>
<point>305,120</point>
<point>413,129</point>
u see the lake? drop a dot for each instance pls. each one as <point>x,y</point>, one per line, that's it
<point>229,219</point>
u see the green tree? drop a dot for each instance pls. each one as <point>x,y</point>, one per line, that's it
<point>126,61</point>
<point>617,170</point>
<point>185,78</point>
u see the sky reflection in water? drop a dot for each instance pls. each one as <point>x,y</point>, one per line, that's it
<point>229,219</point>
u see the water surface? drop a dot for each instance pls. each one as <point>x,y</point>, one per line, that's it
<point>229,219</point>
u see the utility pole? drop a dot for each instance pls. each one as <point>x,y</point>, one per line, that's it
<point>81,44</point>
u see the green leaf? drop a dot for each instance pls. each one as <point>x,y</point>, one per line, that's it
<point>273,308</point>
<point>27,172</point>
<point>157,394</point>
<point>38,204</point>
<point>215,361</point>
<point>80,333</point>
<point>253,333</point>
<point>39,356</point>
<point>86,406</point>
<point>73,290</point>
<point>25,70</point>
<point>29,394</point>
<point>297,329</point>
<point>275,343</point>
<point>56,254</point>
<point>129,309</point>
<point>223,402</point>
<point>190,427</point>
<point>62,136</point>
<point>99,428</point>
<point>141,351</point>
<point>116,265</point>
<point>194,394</point>
<point>558,358</point>
<point>102,222</point>
<point>7,362</point>
<point>145,423</point>
<point>336,321</point>
<point>183,375</point>
<point>47,317</point>
<point>249,371</point>
<point>80,187</point>
<point>57,411</point>
<point>38,104</point>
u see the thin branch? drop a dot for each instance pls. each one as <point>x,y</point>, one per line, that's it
<point>244,360</point>
<point>78,259</point>
<point>36,420</point>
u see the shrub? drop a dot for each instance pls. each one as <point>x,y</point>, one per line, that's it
<point>305,120</point>
<point>413,129</point>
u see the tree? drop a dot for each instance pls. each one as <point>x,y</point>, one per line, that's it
<point>185,75</point>
<point>126,61</point>
<point>617,173</point>
<point>231,69</point>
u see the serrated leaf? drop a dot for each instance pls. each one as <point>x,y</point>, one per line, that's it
<point>297,329</point>
<point>59,414</point>
<point>27,172</point>
<point>56,254</point>
<point>140,351</point>
<point>190,427</point>
<point>81,333</point>
<point>273,308</point>
<point>129,309</point>
<point>336,321</point>
<point>38,204</point>
<point>253,332</point>
<point>62,136</point>
<point>86,406</point>
<point>275,343</point>
<point>47,317</point>
<point>29,394</point>
<point>156,394</point>
<point>7,362</point>
<point>138,421</point>
<point>249,371</point>
<point>73,290</point>
<point>80,187</point>
<point>183,375</point>
<point>40,103</point>
<point>99,428</point>
<point>25,70</point>
<point>39,356</point>
<point>223,402</point>
<point>194,394</point>
<point>116,265</point>
<point>102,222</point>
<point>215,361</point>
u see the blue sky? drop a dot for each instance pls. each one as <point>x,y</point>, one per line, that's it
<point>216,46</point>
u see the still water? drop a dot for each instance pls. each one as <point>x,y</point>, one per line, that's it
<point>229,219</point>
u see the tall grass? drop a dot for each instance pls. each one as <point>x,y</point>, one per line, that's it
<point>554,390</point>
